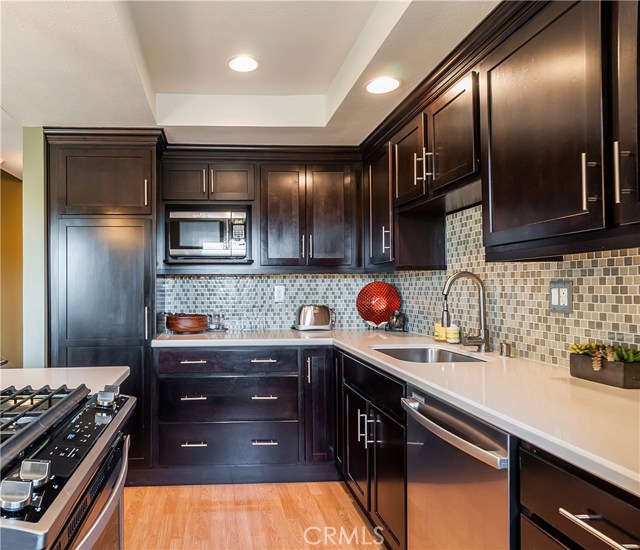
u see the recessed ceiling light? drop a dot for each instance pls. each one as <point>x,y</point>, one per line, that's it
<point>243,63</point>
<point>382,85</point>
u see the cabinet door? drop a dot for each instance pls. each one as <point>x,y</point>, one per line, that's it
<point>184,181</point>
<point>356,464</point>
<point>541,94</point>
<point>282,221</point>
<point>318,404</point>
<point>101,304</point>
<point>625,101</point>
<point>103,180</point>
<point>388,494</point>
<point>380,209</point>
<point>232,181</point>
<point>409,159</point>
<point>452,134</point>
<point>329,215</point>
<point>339,428</point>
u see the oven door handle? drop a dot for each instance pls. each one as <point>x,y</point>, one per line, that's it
<point>491,458</point>
<point>100,523</point>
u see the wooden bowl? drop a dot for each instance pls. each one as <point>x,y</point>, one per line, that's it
<point>184,322</point>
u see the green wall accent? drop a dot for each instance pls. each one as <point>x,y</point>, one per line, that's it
<point>34,249</point>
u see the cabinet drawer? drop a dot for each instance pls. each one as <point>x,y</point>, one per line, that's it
<point>229,398</point>
<point>383,390</point>
<point>229,443</point>
<point>546,487</point>
<point>244,360</point>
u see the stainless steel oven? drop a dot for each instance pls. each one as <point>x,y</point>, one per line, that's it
<point>63,458</point>
<point>207,234</point>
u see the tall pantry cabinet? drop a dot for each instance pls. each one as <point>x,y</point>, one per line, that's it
<point>101,196</point>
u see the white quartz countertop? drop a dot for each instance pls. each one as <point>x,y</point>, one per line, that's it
<point>593,426</point>
<point>95,378</point>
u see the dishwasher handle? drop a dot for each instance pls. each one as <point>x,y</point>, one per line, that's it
<point>491,458</point>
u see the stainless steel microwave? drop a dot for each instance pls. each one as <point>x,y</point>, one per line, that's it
<point>207,234</point>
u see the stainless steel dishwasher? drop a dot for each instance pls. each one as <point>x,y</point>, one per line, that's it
<point>459,479</point>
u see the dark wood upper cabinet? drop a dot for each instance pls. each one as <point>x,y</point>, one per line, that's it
<point>452,128</point>
<point>199,181</point>
<point>409,153</point>
<point>541,105</point>
<point>329,215</point>
<point>306,215</point>
<point>282,218</point>
<point>625,106</point>
<point>379,207</point>
<point>95,179</point>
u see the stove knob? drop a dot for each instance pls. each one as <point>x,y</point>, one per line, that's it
<point>114,388</point>
<point>15,495</point>
<point>35,471</point>
<point>106,399</point>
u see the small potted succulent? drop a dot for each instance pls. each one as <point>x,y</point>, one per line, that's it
<point>612,365</point>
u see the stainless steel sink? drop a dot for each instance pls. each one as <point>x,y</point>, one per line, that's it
<point>427,354</point>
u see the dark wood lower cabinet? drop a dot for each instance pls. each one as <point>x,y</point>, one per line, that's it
<point>356,459</point>
<point>319,407</point>
<point>259,414</point>
<point>374,453</point>
<point>237,443</point>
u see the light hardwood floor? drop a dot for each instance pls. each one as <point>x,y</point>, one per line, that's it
<point>276,516</point>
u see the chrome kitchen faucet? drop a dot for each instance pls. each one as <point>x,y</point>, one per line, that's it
<point>481,340</point>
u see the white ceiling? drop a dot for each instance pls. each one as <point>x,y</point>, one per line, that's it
<point>163,63</point>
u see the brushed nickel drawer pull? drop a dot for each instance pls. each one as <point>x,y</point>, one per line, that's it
<point>264,360</point>
<point>187,445</point>
<point>264,442</point>
<point>146,193</point>
<point>581,519</point>
<point>264,397</point>
<point>193,398</point>
<point>204,180</point>
<point>193,362</point>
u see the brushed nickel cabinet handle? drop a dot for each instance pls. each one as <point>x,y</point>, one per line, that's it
<point>146,193</point>
<point>193,398</point>
<point>264,360</point>
<point>384,232</point>
<point>302,241</point>
<point>581,519</point>
<point>264,442</point>
<point>308,370</point>
<point>310,246</point>
<point>204,181</point>
<point>211,181</point>
<point>583,166</point>
<point>616,171</point>
<point>395,148</point>
<point>193,362</point>
<point>187,445</point>
<point>264,397</point>
<point>432,174</point>
<point>146,323</point>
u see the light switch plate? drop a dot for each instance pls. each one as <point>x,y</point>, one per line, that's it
<point>560,296</point>
<point>278,293</point>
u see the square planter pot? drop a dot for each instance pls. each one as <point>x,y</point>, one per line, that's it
<point>617,373</point>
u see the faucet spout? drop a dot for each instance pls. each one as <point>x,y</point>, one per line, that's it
<point>482,339</point>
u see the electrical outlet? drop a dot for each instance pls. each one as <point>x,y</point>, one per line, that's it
<point>278,293</point>
<point>560,294</point>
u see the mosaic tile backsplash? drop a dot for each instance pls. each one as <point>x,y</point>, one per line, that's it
<point>606,296</point>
